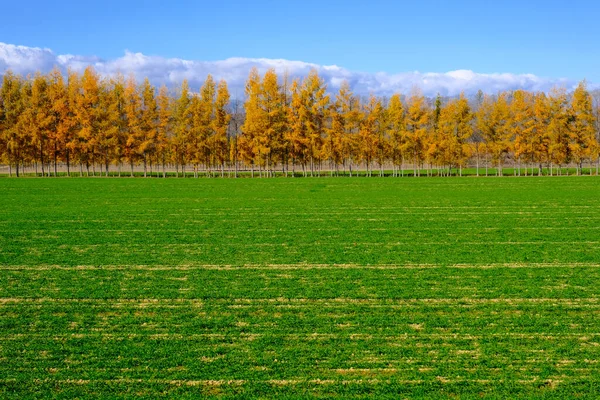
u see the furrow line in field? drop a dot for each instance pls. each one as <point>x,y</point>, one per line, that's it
<point>346,242</point>
<point>308,301</point>
<point>280,382</point>
<point>312,229</point>
<point>582,337</point>
<point>185,267</point>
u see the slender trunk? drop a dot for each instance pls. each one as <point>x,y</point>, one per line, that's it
<point>415,166</point>
<point>55,159</point>
<point>402,167</point>
<point>42,160</point>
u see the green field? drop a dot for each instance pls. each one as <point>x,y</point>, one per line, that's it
<point>300,288</point>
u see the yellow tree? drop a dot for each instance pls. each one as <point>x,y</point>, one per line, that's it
<point>219,145</point>
<point>417,124</point>
<point>12,108</point>
<point>88,117</point>
<point>372,142</point>
<point>203,121</point>
<point>558,130</point>
<point>317,104</point>
<point>61,121</point>
<point>455,129</point>
<point>270,140</point>
<point>147,143</point>
<point>253,123</point>
<point>582,130</point>
<point>483,122</point>
<point>24,131</point>
<point>193,137</point>
<point>597,116</point>
<point>540,134</point>
<point>39,121</point>
<point>182,122</point>
<point>383,143</point>
<point>308,112</point>
<point>165,126</point>
<point>350,110</point>
<point>307,118</point>
<point>236,122</point>
<point>73,147</point>
<point>463,132</point>
<point>3,150</point>
<point>434,152</point>
<point>397,133</point>
<point>296,134</point>
<point>285,106</point>
<point>492,120</point>
<point>335,145</point>
<point>116,124</point>
<point>108,128</point>
<point>521,128</point>
<point>133,111</point>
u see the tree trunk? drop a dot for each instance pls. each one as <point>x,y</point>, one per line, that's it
<point>55,159</point>
<point>68,165</point>
<point>42,160</point>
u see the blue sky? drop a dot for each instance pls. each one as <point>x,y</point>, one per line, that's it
<point>554,39</point>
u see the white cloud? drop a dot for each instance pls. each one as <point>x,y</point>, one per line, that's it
<point>171,71</point>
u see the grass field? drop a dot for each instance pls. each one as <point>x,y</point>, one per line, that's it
<point>300,288</point>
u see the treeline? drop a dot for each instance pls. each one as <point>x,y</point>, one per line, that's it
<point>83,121</point>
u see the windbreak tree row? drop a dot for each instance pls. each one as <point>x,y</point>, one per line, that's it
<point>81,122</point>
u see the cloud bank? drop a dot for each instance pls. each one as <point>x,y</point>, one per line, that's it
<point>172,71</point>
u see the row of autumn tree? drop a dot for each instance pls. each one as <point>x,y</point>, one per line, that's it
<point>48,121</point>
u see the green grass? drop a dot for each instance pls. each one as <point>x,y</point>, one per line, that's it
<point>300,288</point>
